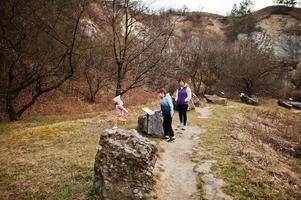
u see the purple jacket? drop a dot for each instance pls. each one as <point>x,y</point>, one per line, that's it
<point>183,95</point>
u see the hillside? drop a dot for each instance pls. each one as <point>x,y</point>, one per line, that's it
<point>206,23</point>
<point>273,27</point>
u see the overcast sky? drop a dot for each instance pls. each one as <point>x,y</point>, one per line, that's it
<point>221,7</point>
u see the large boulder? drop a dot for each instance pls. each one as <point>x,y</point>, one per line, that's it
<point>154,126</point>
<point>289,104</point>
<point>194,101</point>
<point>284,103</point>
<point>124,165</point>
<point>249,100</point>
<point>215,99</point>
<point>296,104</point>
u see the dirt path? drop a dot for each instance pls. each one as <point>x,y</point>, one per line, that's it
<point>179,174</point>
<point>178,180</point>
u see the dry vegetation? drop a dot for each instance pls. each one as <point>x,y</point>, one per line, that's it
<point>257,149</point>
<point>62,73</point>
<point>53,157</point>
<point>64,102</point>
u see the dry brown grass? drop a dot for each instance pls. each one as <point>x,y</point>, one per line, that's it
<point>247,160</point>
<point>281,130</point>
<point>52,157</point>
<point>268,139</point>
<point>59,103</point>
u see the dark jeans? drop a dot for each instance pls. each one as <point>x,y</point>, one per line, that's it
<point>183,113</point>
<point>167,125</point>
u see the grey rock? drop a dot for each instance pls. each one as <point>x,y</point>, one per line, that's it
<point>289,104</point>
<point>249,100</point>
<point>216,99</point>
<point>284,46</point>
<point>296,104</point>
<point>119,169</point>
<point>288,47</point>
<point>154,127</point>
<point>284,103</point>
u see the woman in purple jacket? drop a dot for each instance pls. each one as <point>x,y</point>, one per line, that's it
<point>183,96</point>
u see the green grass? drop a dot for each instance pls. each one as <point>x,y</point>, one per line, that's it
<point>64,191</point>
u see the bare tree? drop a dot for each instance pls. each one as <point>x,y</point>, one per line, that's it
<point>200,62</point>
<point>38,42</point>
<point>94,73</point>
<point>251,71</point>
<point>138,41</point>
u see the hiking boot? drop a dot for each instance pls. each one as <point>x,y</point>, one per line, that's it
<point>165,137</point>
<point>171,139</point>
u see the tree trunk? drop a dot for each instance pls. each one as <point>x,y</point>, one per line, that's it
<point>118,88</point>
<point>91,99</point>
<point>299,85</point>
<point>10,110</point>
<point>118,83</point>
<point>3,109</point>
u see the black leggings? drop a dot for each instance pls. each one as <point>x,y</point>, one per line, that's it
<point>183,113</point>
<point>167,125</point>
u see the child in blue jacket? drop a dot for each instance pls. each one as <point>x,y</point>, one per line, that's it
<point>167,110</point>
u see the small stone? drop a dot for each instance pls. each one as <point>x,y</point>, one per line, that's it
<point>249,100</point>
<point>215,99</point>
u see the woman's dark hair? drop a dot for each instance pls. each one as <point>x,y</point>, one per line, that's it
<point>181,79</point>
<point>162,90</point>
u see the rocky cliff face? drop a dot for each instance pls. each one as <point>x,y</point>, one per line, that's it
<point>275,28</point>
<point>281,33</point>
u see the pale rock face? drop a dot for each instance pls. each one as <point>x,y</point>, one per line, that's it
<point>274,25</point>
<point>285,46</point>
<point>262,40</point>
<point>88,27</point>
<point>273,36</point>
<point>138,29</point>
<point>288,46</point>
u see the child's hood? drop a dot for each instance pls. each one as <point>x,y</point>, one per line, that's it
<point>117,99</point>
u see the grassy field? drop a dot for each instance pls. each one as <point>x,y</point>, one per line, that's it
<point>52,157</point>
<point>250,146</point>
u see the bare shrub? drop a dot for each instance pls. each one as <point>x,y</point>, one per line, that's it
<point>251,71</point>
<point>202,63</point>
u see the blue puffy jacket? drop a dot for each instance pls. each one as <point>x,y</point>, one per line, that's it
<point>167,105</point>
